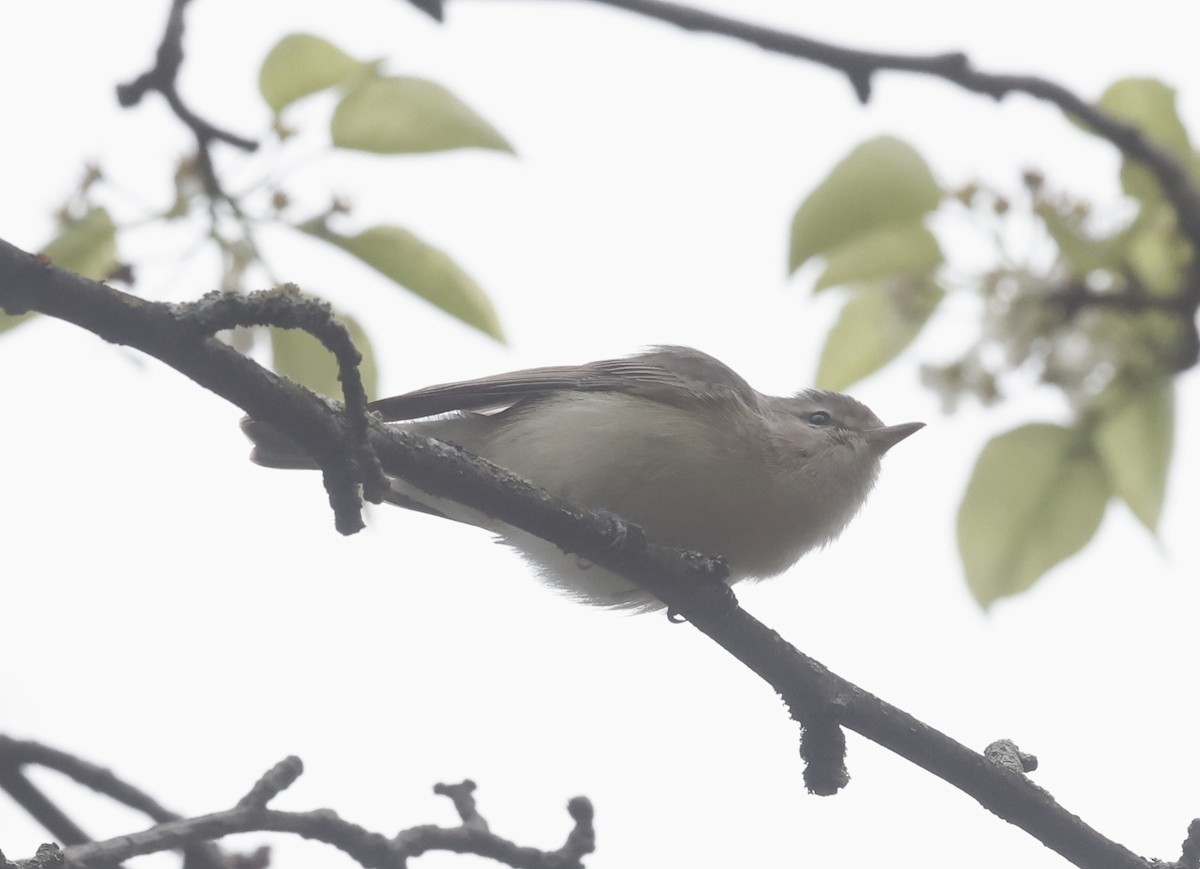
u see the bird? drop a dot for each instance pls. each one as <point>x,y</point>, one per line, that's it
<point>670,439</point>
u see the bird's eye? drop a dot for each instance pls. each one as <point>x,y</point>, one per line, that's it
<point>820,417</point>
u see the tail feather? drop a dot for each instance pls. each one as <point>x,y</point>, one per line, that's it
<point>273,449</point>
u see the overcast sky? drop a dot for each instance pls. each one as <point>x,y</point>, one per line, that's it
<point>187,619</point>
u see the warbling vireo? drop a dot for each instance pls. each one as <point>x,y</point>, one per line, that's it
<point>672,440</point>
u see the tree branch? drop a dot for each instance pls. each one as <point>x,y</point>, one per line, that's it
<point>251,814</point>
<point>41,808</point>
<point>47,857</point>
<point>688,582</point>
<point>163,77</point>
<point>181,336</point>
<point>353,449</point>
<point>16,754</point>
<point>1190,857</point>
<point>860,67</point>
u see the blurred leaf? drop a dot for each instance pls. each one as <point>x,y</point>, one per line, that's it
<point>11,321</point>
<point>87,246</point>
<point>1158,255</point>
<point>1140,345</point>
<point>906,251</point>
<point>301,64</point>
<point>882,182</point>
<point>875,326</point>
<point>1137,182</point>
<point>402,115</point>
<point>1036,497</point>
<point>419,267</point>
<point>303,358</point>
<point>1135,438</point>
<point>1149,105</point>
<point>1082,252</point>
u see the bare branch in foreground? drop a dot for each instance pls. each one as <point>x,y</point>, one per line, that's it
<point>16,754</point>
<point>251,814</point>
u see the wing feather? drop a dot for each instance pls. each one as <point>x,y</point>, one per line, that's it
<point>672,375</point>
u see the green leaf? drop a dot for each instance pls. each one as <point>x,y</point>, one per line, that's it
<point>303,358</point>
<point>1036,497</point>
<point>1081,252</point>
<point>87,246</point>
<point>11,321</point>
<point>882,182</point>
<point>906,251</point>
<point>1135,438</point>
<point>1146,103</point>
<point>1149,105</point>
<point>875,326</point>
<point>420,268</point>
<point>1158,255</point>
<point>301,64</point>
<point>402,115</point>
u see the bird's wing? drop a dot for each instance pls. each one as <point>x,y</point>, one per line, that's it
<point>672,375</point>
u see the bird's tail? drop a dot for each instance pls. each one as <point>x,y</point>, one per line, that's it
<point>272,449</point>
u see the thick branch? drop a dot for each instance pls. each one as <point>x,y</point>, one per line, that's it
<point>802,682</point>
<point>811,691</point>
<point>184,341</point>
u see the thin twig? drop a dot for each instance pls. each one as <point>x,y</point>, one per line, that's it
<point>370,849</point>
<point>17,754</point>
<point>274,781</point>
<point>860,67</point>
<point>163,78</point>
<point>41,808</point>
<point>195,835</point>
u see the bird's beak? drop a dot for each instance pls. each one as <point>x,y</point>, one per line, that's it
<point>883,439</point>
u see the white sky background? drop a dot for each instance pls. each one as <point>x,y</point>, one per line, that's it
<point>188,619</point>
